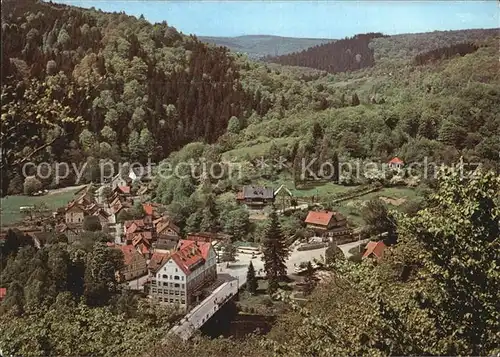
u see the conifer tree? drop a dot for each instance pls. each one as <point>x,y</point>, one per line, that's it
<point>251,280</point>
<point>354,100</point>
<point>309,281</point>
<point>229,251</point>
<point>275,251</point>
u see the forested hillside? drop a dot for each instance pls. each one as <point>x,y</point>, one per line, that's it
<point>81,85</point>
<point>348,54</point>
<point>95,85</point>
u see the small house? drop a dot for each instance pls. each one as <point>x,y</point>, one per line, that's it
<point>327,224</point>
<point>120,180</point>
<point>374,250</point>
<point>255,196</point>
<point>71,231</point>
<point>134,263</point>
<point>75,213</point>
<point>396,163</point>
<point>141,173</point>
<point>283,197</point>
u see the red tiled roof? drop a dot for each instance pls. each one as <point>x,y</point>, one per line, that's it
<point>396,160</point>
<point>320,218</point>
<point>3,293</point>
<point>148,208</point>
<point>124,189</point>
<point>189,255</point>
<point>375,248</point>
<point>140,237</point>
<point>138,222</point>
<point>144,249</point>
<point>128,253</point>
<point>204,247</point>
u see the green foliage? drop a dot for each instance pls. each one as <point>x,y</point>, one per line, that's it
<point>275,251</point>
<point>137,211</point>
<point>434,293</point>
<point>309,280</point>
<point>124,215</point>
<point>233,125</point>
<point>229,253</point>
<point>68,328</point>
<point>379,220</point>
<point>91,224</point>
<point>252,282</point>
<point>31,185</point>
<point>100,278</point>
<point>333,254</point>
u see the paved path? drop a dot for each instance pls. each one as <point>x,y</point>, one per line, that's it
<point>239,268</point>
<point>346,247</point>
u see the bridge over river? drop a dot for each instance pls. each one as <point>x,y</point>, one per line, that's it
<point>202,312</point>
<point>234,277</point>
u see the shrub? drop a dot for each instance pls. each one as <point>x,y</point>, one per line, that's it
<point>31,185</point>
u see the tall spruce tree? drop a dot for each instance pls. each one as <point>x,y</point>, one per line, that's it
<point>251,279</point>
<point>275,251</point>
<point>309,281</point>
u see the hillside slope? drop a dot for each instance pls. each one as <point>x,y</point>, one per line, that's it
<point>258,46</point>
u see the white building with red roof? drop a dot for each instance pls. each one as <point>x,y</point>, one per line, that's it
<point>396,163</point>
<point>327,224</point>
<point>190,268</point>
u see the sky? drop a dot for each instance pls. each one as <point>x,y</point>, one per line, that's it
<point>313,19</point>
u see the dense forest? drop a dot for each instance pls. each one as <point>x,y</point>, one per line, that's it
<point>445,52</point>
<point>349,54</point>
<point>90,84</point>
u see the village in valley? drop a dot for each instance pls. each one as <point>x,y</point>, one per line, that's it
<point>191,270</point>
<point>321,182</point>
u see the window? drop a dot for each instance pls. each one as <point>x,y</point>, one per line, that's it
<point>176,277</point>
<point>153,290</point>
<point>176,270</point>
<point>171,292</point>
<point>177,292</point>
<point>182,286</point>
<point>170,277</point>
<point>182,277</point>
<point>183,293</point>
<point>183,301</point>
<point>171,300</point>
<point>177,285</point>
<point>165,276</point>
<point>165,284</point>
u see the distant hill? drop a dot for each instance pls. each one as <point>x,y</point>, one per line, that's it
<point>349,54</point>
<point>364,50</point>
<point>257,46</point>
